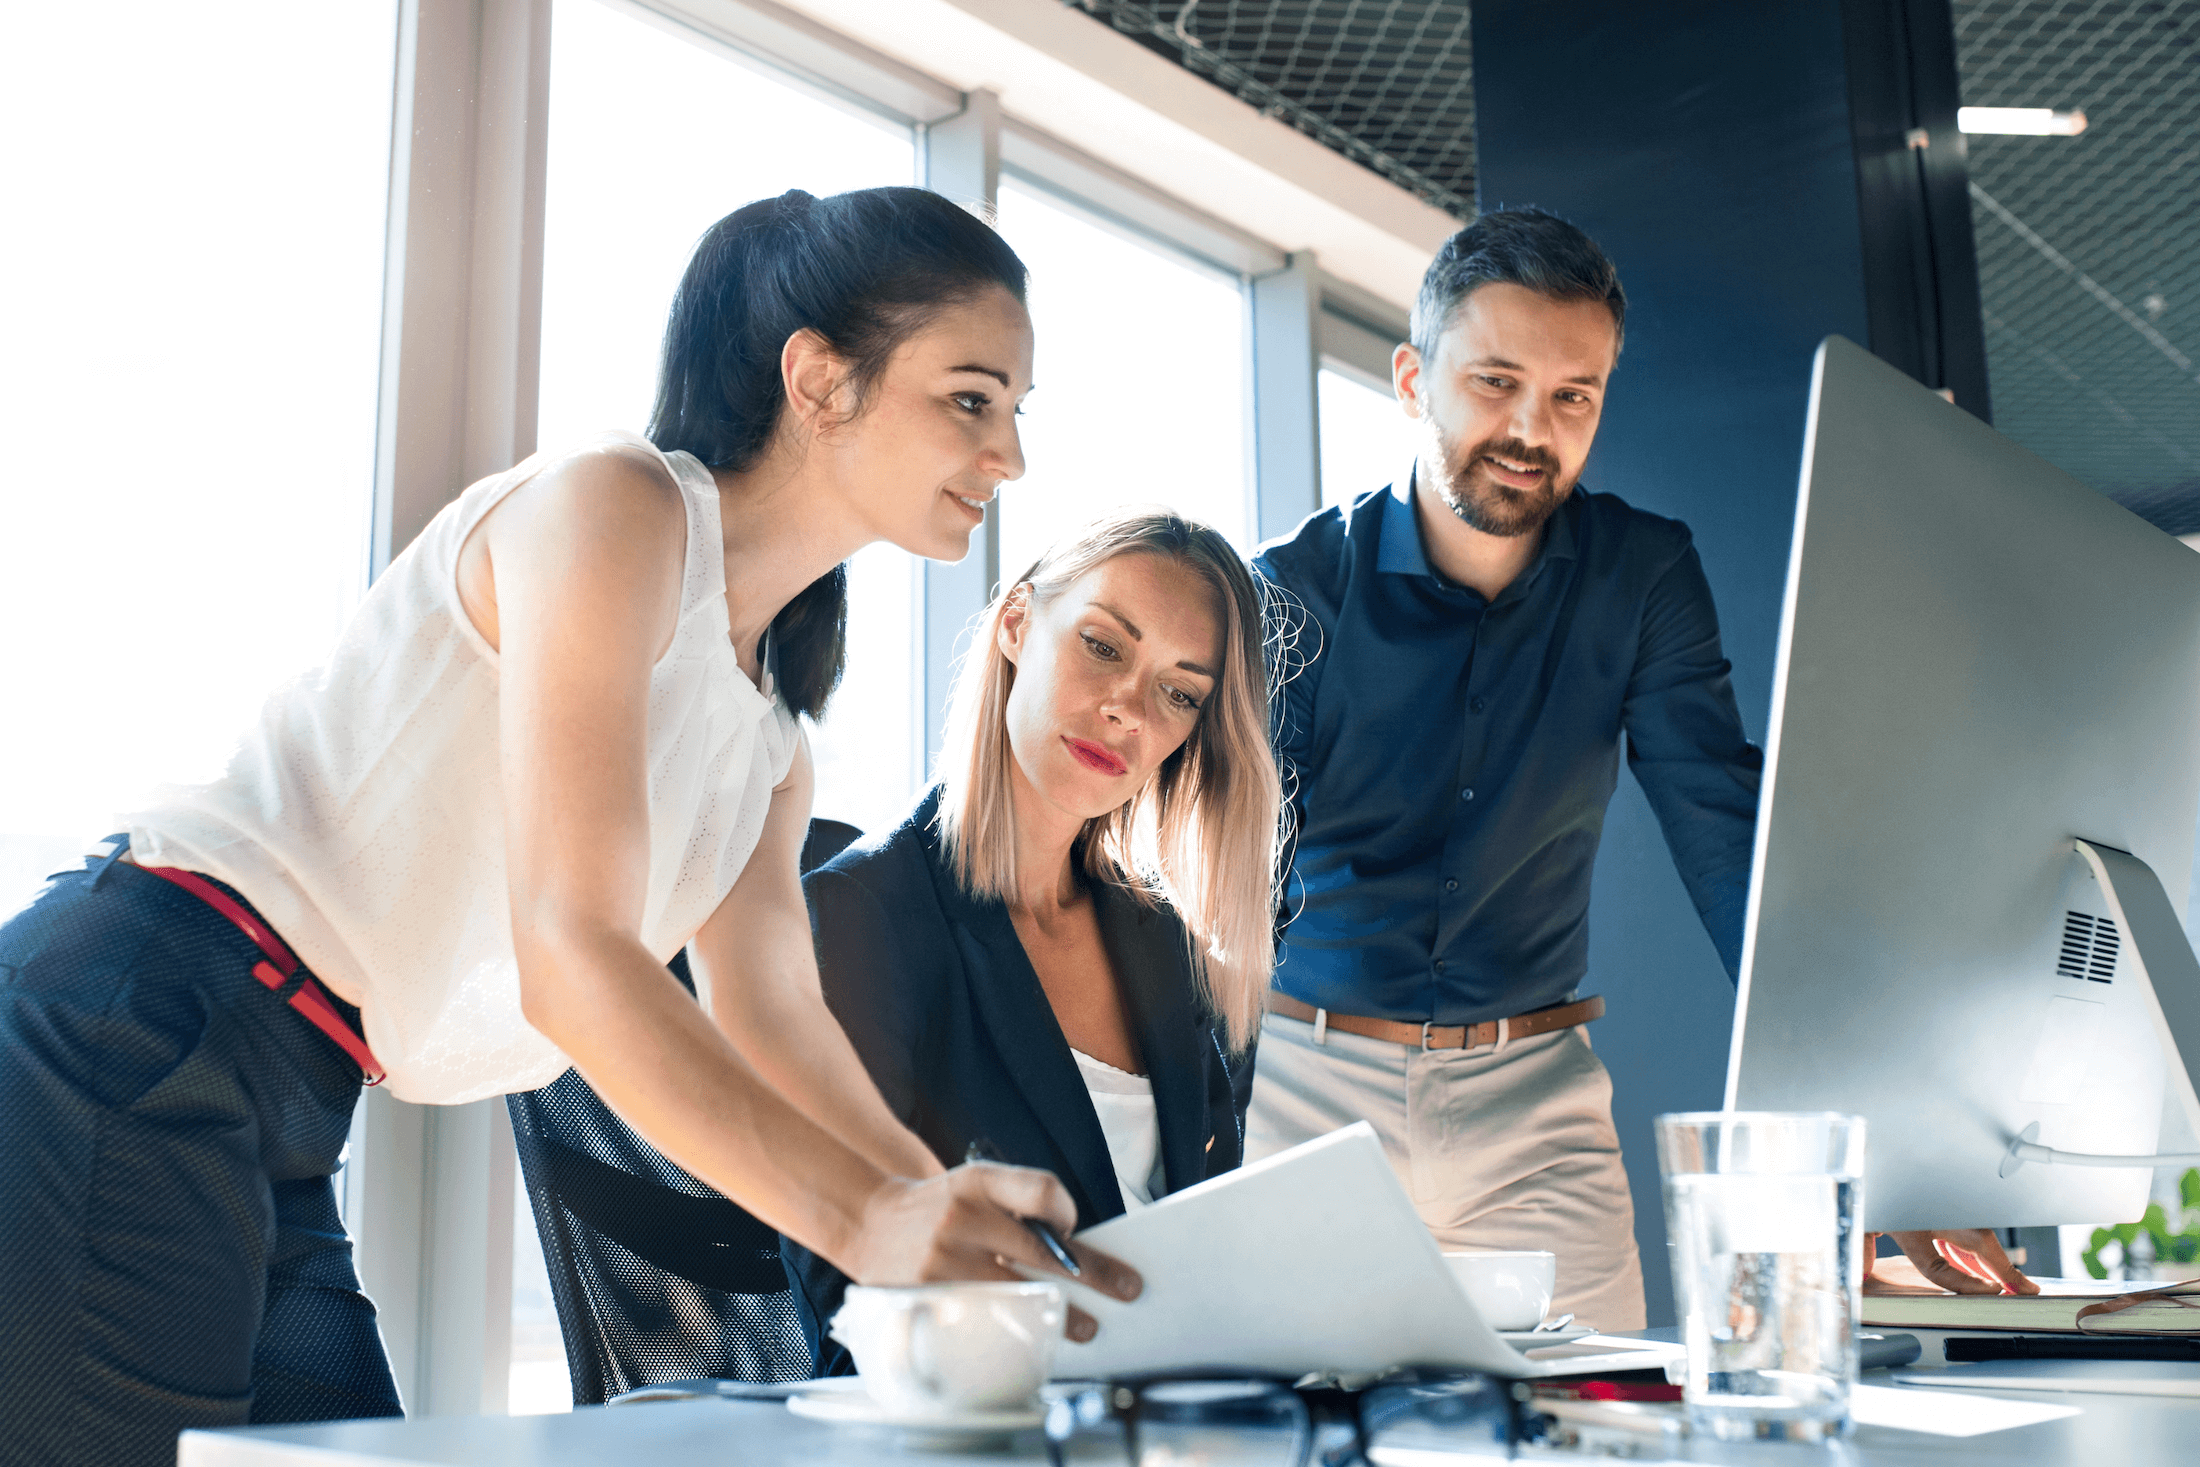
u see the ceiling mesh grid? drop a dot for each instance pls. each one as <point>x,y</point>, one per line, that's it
<point>2088,247</point>
<point>1387,83</point>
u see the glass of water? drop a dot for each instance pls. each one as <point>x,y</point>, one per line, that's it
<point>1761,1215</point>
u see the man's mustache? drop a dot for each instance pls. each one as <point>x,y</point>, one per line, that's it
<point>1515,450</point>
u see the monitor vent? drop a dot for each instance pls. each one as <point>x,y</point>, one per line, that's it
<point>2088,948</point>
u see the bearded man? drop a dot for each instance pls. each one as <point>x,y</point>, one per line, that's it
<point>1483,639</point>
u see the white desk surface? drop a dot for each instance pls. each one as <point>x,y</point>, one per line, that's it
<point>2112,1429</point>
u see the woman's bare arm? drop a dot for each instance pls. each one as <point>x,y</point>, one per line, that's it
<point>756,958</point>
<point>583,566</point>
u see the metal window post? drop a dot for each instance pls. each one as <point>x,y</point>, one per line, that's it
<point>960,157</point>
<point>430,1187</point>
<point>1286,312</point>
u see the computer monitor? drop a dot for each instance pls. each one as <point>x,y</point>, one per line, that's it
<point>1981,776</point>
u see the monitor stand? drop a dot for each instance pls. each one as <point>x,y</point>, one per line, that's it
<point>2169,976</point>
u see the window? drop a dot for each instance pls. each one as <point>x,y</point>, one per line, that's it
<point>1367,440</point>
<point>654,136</point>
<point>538,1384</point>
<point>189,388</point>
<point>869,749</point>
<point>1139,381</point>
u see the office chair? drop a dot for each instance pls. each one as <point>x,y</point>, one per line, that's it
<point>656,1276</point>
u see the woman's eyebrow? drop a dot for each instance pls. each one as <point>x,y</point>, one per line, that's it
<point>1139,636</point>
<point>998,376</point>
<point>1128,625</point>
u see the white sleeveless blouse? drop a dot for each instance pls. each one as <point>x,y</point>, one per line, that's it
<point>364,814</point>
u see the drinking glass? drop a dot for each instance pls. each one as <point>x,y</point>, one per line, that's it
<point>1761,1213</point>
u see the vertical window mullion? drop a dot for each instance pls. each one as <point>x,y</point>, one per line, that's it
<point>961,158</point>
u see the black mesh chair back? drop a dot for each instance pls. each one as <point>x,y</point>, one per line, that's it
<point>656,1276</point>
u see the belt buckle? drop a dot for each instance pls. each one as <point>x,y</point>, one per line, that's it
<point>1426,1025</point>
<point>1497,1047</point>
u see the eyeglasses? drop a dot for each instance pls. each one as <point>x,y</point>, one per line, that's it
<point>1176,1420</point>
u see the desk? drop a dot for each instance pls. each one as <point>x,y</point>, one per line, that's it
<point>2113,1429</point>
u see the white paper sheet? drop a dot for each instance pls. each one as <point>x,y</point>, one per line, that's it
<point>1313,1259</point>
<point>1947,1413</point>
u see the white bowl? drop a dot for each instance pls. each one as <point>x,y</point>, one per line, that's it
<point>1509,1290</point>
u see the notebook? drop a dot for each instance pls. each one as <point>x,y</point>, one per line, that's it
<point>2106,1309</point>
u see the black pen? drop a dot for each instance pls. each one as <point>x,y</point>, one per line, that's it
<point>982,1150</point>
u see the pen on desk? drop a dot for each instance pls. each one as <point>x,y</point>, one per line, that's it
<point>1041,1229</point>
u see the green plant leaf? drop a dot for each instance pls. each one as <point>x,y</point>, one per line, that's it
<point>2091,1257</point>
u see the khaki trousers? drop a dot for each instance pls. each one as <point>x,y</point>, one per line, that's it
<point>1506,1149</point>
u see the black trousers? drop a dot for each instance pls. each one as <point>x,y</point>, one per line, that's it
<point>170,1250</point>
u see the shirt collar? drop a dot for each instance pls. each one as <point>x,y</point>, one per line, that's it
<point>1403,554</point>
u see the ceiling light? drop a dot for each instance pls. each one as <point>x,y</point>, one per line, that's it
<point>2035,122</point>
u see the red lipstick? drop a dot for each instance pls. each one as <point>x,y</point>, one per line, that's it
<point>1095,757</point>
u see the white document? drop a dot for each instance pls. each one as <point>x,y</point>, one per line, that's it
<point>1311,1260</point>
<point>1946,1413</point>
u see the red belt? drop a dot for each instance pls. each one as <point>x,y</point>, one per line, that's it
<point>279,967</point>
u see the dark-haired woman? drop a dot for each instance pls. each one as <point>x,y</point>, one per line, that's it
<point>556,744</point>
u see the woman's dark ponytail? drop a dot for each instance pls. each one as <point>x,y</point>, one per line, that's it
<point>865,270</point>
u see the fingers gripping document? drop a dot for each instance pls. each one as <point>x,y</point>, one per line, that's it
<point>1310,1260</point>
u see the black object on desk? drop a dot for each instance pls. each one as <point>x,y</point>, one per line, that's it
<point>2069,1347</point>
<point>1886,1352</point>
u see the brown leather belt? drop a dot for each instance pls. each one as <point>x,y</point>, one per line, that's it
<point>1494,1032</point>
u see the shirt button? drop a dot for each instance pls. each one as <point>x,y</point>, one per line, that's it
<point>1439,965</point>
<point>1466,794</point>
<point>1479,704</point>
<point>1451,883</point>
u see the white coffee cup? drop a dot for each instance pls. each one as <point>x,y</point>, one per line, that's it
<point>945,1349</point>
<point>1509,1290</point>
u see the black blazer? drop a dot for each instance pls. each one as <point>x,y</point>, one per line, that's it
<point>937,996</point>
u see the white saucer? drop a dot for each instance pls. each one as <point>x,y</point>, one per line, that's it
<point>851,1405</point>
<point>1524,1339</point>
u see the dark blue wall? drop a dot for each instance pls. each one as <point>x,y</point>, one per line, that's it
<point>1710,148</point>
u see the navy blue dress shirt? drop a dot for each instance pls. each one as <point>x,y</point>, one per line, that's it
<point>1453,756</point>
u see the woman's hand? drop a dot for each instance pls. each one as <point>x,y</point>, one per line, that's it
<point>968,1225</point>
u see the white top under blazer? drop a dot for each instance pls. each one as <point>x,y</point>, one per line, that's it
<point>364,814</point>
<point>1128,1119</point>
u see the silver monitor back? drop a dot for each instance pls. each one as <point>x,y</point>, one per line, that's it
<point>1981,661</point>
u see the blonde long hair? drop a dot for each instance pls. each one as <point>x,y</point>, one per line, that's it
<point>1203,833</point>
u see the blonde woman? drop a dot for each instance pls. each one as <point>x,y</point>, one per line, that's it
<point>1062,953</point>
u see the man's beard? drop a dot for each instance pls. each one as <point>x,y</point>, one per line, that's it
<point>1470,491</point>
